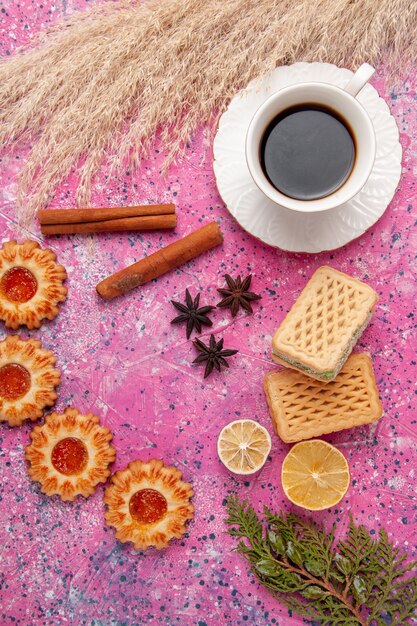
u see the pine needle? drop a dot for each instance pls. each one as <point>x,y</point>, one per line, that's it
<point>362,580</point>
<point>100,85</point>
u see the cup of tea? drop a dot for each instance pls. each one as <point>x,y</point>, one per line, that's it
<point>311,146</point>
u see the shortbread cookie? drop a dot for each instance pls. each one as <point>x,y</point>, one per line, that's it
<point>27,380</point>
<point>302,408</point>
<point>323,325</point>
<point>148,504</point>
<point>30,284</point>
<point>70,454</point>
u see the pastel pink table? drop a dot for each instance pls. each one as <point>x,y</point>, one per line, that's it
<point>125,362</point>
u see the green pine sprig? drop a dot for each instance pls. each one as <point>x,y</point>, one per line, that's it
<point>362,580</point>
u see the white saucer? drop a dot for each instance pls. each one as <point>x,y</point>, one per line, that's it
<point>276,225</point>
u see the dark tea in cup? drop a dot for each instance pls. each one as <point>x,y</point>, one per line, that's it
<point>307,151</point>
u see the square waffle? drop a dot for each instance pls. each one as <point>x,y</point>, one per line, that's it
<point>302,408</point>
<point>319,332</point>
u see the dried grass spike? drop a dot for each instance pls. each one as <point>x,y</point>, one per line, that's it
<point>101,83</point>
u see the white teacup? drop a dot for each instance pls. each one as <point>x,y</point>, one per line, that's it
<point>345,104</point>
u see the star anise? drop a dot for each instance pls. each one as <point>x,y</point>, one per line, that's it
<point>237,294</point>
<point>191,313</point>
<point>212,355</point>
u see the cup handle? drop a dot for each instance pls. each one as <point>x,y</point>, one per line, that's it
<point>359,79</point>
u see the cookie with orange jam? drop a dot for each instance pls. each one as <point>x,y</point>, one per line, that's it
<point>148,504</point>
<point>27,380</point>
<point>70,454</point>
<point>30,284</point>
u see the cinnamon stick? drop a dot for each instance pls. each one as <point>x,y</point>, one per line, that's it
<point>145,222</point>
<point>160,262</point>
<point>75,216</point>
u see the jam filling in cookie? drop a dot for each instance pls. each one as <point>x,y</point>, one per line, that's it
<point>148,504</point>
<point>27,380</point>
<point>31,284</point>
<point>70,454</point>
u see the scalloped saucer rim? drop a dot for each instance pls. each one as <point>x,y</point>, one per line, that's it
<point>276,225</point>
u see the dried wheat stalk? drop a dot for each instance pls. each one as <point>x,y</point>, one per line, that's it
<point>102,83</point>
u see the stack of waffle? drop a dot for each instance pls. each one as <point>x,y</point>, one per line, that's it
<point>324,389</point>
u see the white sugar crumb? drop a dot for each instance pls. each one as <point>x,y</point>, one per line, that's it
<point>397,483</point>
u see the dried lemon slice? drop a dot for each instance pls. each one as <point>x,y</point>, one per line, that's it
<point>243,446</point>
<point>315,475</point>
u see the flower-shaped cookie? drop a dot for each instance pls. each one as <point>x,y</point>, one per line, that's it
<point>70,454</point>
<point>30,284</point>
<point>27,379</point>
<point>148,504</point>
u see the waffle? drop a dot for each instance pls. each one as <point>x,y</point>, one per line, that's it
<point>319,332</point>
<point>302,408</point>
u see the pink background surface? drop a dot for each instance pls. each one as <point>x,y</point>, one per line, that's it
<point>125,362</point>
